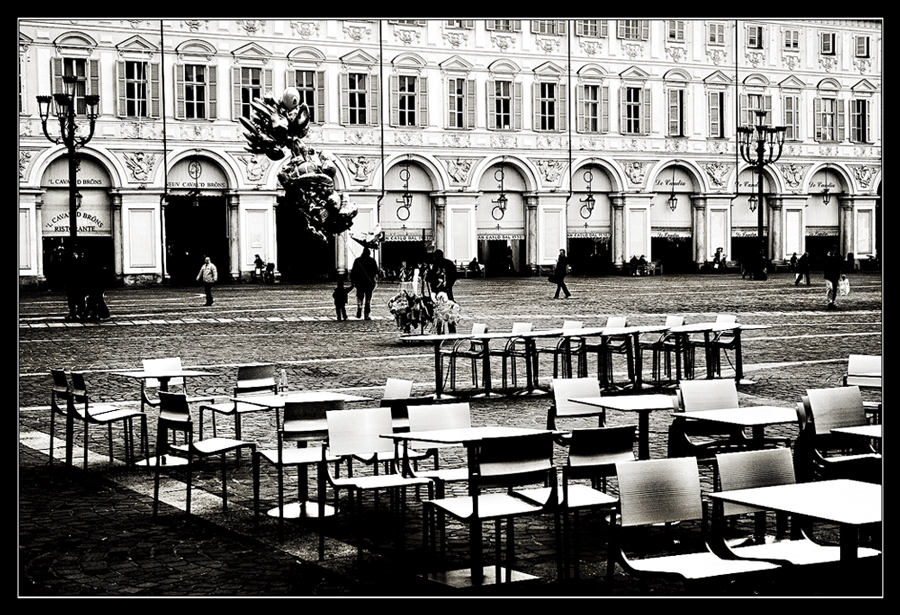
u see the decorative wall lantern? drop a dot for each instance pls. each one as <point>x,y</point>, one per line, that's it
<point>501,201</point>
<point>589,202</point>
<point>405,199</point>
<point>673,200</point>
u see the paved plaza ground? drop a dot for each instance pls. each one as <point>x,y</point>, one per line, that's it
<point>90,533</point>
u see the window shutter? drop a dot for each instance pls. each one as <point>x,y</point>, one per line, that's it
<point>179,91</point>
<point>839,108</point>
<point>267,81</point>
<point>345,98</point>
<point>236,93</point>
<point>470,103</point>
<point>319,116</point>
<point>604,109</point>
<point>516,25</point>
<point>561,26</point>
<point>490,24</point>
<point>579,109</point>
<point>604,30</point>
<point>767,101</point>
<point>817,116</point>
<point>536,106</point>
<point>56,68</point>
<point>579,27</point>
<point>620,28</point>
<point>745,111</point>
<point>645,29</point>
<point>422,98</point>
<point>373,118</point>
<point>290,78</point>
<point>535,26</point>
<point>154,89</point>
<point>451,102</point>
<point>517,107</point>
<point>623,94</point>
<point>868,116</point>
<point>673,112</point>
<point>468,24</point>
<point>120,88</point>
<point>213,100</point>
<point>715,115</point>
<point>491,96</point>
<point>93,76</point>
<point>395,100</point>
<point>561,108</point>
<point>645,112</point>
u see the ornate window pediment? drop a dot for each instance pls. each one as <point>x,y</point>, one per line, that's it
<point>634,73</point>
<point>251,54</point>
<point>74,44</point>
<point>792,83</point>
<point>306,56</point>
<point>359,58</point>
<point>196,47</point>
<point>456,64</point>
<point>717,78</point>
<point>136,46</point>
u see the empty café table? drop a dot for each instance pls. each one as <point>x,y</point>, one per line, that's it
<point>642,404</point>
<point>848,503</point>
<point>707,329</point>
<point>755,417</point>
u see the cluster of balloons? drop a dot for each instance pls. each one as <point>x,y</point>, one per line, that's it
<point>277,129</point>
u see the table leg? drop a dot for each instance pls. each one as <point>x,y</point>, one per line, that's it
<point>438,375</point>
<point>849,540</point>
<point>486,367</point>
<point>643,434</point>
<point>637,358</point>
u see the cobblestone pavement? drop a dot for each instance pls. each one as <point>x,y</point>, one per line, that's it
<point>90,532</point>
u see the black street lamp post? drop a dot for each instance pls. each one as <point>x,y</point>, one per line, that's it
<point>760,145</point>
<point>70,136</point>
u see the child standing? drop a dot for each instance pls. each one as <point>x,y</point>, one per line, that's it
<point>340,300</point>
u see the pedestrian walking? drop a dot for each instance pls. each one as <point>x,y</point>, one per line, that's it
<point>208,276</point>
<point>833,267</point>
<point>364,277</point>
<point>339,295</point>
<point>802,269</point>
<point>76,287</point>
<point>96,308</point>
<point>442,275</point>
<point>559,274</point>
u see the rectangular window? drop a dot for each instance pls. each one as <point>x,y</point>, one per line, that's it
<point>544,26</point>
<point>503,25</point>
<point>591,27</point>
<point>827,47</point>
<point>634,29</point>
<point>194,91</point>
<point>791,117</point>
<point>632,115</point>
<point>859,121</point>
<point>755,37</point>
<point>305,82</point>
<point>461,109</point>
<point>503,104</point>
<point>406,102</point>
<point>464,24</point>
<point>716,34</point>
<point>750,104</point>
<point>137,90</point>
<point>547,106</point>
<point>675,30</point>
<point>676,113</point>
<point>792,40</point>
<point>862,46</point>
<point>591,112</point>
<point>77,67</point>
<point>826,120</point>
<point>251,88</point>
<point>716,114</point>
<point>357,91</point>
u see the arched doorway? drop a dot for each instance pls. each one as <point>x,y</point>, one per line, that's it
<point>303,257</point>
<point>500,221</point>
<point>196,220</point>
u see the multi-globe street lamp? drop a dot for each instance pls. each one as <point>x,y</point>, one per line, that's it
<point>70,135</point>
<point>761,145</point>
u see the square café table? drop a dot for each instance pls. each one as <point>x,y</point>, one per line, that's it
<point>477,574</point>
<point>755,417</point>
<point>849,503</point>
<point>642,404</point>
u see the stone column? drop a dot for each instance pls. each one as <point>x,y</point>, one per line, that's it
<point>531,243</point>
<point>617,221</point>
<point>776,228</point>
<point>846,230</point>
<point>115,210</point>
<point>698,230</point>
<point>234,236</point>
<point>439,209</point>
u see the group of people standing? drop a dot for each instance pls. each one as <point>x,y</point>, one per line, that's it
<point>84,286</point>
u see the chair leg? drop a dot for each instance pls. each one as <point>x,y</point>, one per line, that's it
<point>224,485</point>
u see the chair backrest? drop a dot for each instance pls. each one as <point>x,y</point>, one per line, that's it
<point>659,491</point>
<point>726,319</point>
<point>749,469</point>
<point>617,321</point>
<point>165,364</point>
<point>714,394</point>
<point>357,432</point>
<point>440,416</point>
<point>396,388</point>
<point>521,327</point>
<point>301,417</point>
<point>174,407</point>
<point>572,324</point>
<point>565,389</point>
<point>599,448</point>
<point>835,407</point>
<point>478,328</point>
<point>863,370</point>
<point>512,461</point>
<point>674,321</point>
<point>256,379</point>
<point>60,388</point>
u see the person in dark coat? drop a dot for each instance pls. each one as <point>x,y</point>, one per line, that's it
<point>364,276</point>
<point>75,287</point>
<point>802,269</point>
<point>96,308</point>
<point>559,274</point>
<point>634,265</point>
<point>833,267</point>
<point>339,295</point>
<point>442,275</point>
